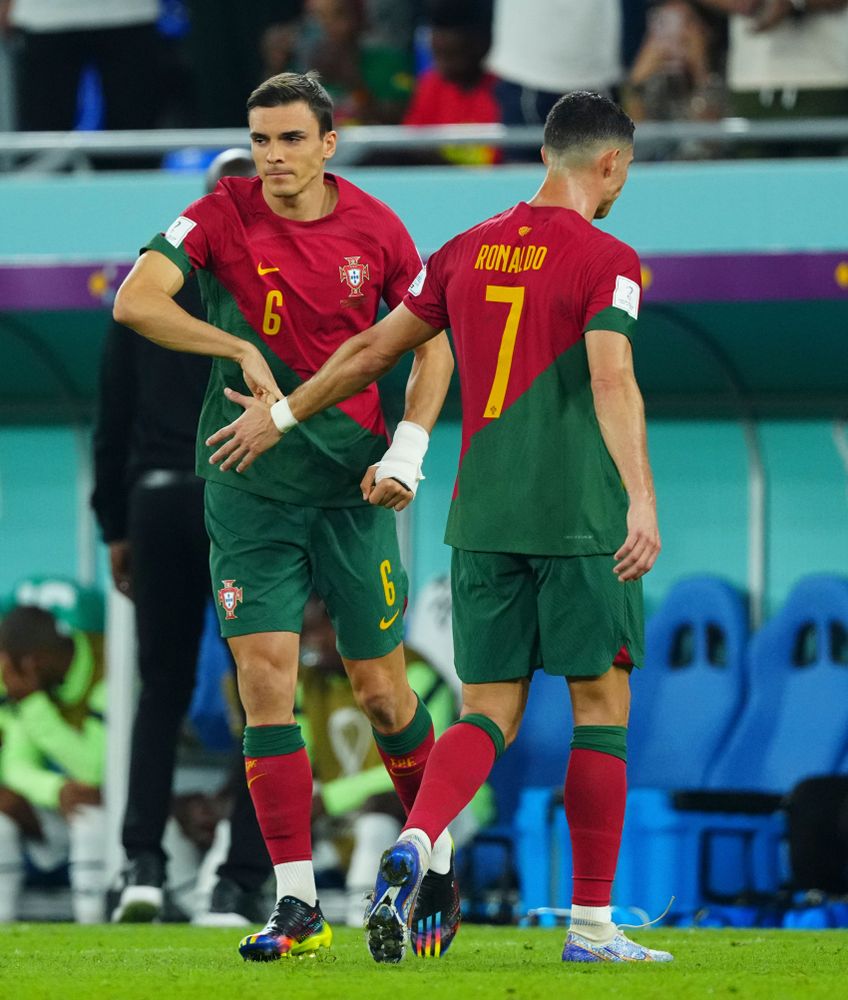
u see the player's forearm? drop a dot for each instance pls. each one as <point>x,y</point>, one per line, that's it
<point>356,364</point>
<point>621,417</point>
<point>155,315</point>
<point>428,382</point>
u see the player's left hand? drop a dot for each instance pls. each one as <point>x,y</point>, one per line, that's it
<point>258,376</point>
<point>387,493</point>
<point>247,437</point>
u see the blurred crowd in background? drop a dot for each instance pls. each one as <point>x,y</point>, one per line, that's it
<point>139,64</point>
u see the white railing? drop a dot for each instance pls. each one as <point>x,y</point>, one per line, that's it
<point>47,151</point>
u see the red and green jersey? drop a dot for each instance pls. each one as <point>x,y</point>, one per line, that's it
<point>298,290</point>
<point>519,291</point>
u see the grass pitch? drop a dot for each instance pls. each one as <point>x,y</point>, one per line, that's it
<point>65,962</point>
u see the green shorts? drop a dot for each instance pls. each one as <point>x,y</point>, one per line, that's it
<point>266,557</point>
<point>568,615</point>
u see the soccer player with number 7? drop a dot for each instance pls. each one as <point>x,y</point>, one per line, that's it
<point>291,264</point>
<point>553,521</point>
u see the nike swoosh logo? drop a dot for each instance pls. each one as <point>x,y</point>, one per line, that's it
<point>255,776</point>
<point>265,270</point>
<point>388,624</point>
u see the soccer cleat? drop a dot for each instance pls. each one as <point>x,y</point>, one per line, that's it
<point>232,906</point>
<point>437,915</point>
<point>293,930</point>
<point>142,896</point>
<point>619,949</point>
<point>389,915</point>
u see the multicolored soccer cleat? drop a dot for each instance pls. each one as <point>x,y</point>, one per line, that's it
<point>389,915</point>
<point>437,915</point>
<point>293,930</point>
<point>620,949</point>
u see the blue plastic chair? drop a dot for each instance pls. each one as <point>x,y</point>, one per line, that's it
<point>685,705</point>
<point>685,701</point>
<point>795,723</point>
<point>691,690</point>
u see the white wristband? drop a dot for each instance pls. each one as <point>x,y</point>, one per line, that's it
<point>282,415</point>
<point>403,459</point>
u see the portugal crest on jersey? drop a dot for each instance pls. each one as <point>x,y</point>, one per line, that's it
<point>229,596</point>
<point>354,275</point>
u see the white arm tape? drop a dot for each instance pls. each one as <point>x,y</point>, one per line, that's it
<point>403,459</point>
<point>282,415</point>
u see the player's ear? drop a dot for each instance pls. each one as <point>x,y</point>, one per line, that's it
<point>544,155</point>
<point>607,162</point>
<point>329,141</point>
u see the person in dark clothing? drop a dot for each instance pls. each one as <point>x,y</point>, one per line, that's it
<point>149,505</point>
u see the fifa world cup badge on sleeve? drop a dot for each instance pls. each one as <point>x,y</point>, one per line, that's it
<point>229,596</point>
<point>418,284</point>
<point>178,230</point>
<point>626,295</point>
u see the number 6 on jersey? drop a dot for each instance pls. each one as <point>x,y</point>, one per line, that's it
<point>514,297</point>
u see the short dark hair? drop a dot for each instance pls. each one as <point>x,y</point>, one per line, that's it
<point>287,88</point>
<point>583,118</point>
<point>27,629</point>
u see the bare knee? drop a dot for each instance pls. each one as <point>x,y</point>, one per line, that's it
<point>379,703</point>
<point>381,690</point>
<point>267,678</point>
<point>502,702</point>
<point>601,701</point>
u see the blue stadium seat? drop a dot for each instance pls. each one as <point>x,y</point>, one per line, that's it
<point>692,688</point>
<point>685,702</point>
<point>724,841</point>
<point>685,706</point>
<point>795,723</point>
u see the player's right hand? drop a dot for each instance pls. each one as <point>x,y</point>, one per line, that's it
<point>247,437</point>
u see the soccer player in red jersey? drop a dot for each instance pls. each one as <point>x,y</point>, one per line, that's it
<point>553,520</point>
<point>291,264</point>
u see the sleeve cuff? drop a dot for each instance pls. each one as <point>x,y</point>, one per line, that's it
<point>612,318</point>
<point>174,254</point>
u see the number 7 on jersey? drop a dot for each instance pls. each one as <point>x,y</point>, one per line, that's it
<point>514,298</point>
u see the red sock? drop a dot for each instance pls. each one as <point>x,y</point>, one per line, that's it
<point>407,769</point>
<point>281,789</point>
<point>457,766</point>
<point>595,794</point>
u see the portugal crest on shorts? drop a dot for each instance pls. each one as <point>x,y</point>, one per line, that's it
<point>354,275</point>
<point>229,596</point>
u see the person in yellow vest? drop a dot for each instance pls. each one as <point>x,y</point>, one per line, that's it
<point>52,757</point>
